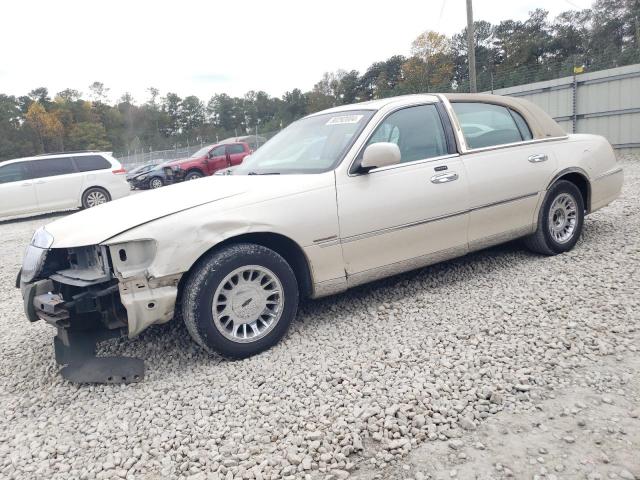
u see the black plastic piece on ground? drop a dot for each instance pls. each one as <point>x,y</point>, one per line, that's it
<point>77,350</point>
<point>105,370</point>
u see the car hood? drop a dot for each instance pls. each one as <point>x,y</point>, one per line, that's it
<point>180,161</point>
<point>98,224</point>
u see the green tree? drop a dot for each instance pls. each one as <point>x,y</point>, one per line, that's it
<point>88,136</point>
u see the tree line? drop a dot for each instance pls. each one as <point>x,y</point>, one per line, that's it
<point>509,53</point>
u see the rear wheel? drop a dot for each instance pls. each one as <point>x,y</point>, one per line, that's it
<point>240,301</point>
<point>560,220</point>
<point>156,182</point>
<point>95,196</point>
<point>193,175</point>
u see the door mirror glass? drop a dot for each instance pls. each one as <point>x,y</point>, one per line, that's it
<point>381,154</point>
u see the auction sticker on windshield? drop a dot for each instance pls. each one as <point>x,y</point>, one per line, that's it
<point>343,119</point>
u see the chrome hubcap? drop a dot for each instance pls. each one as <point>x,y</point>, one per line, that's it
<point>562,218</point>
<point>155,183</point>
<point>96,198</point>
<point>248,304</point>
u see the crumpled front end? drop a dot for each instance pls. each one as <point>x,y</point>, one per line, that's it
<point>93,293</point>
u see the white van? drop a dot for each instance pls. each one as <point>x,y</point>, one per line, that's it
<point>64,181</point>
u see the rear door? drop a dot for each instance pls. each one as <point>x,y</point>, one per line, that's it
<point>236,153</point>
<point>58,184</point>
<point>507,171</point>
<point>17,192</point>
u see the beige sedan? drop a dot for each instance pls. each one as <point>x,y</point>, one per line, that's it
<point>337,199</point>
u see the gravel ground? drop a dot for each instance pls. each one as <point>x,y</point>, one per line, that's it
<point>498,364</point>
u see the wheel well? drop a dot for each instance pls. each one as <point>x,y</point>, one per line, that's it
<point>583,185</point>
<point>194,169</point>
<point>284,246</point>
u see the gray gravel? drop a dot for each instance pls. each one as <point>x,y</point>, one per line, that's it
<point>363,380</point>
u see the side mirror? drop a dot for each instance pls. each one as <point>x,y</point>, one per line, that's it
<point>380,154</point>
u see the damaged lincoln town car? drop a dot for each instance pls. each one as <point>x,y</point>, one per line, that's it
<point>337,199</point>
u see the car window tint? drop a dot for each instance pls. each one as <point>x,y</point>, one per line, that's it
<point>88,163</point>
<point>417,131</point>
<point>14,172</point>
<point>525,131</point>
<point>51,167</point>
<point>236,148</point>
<point>218,151</point>
<point>486,125</point>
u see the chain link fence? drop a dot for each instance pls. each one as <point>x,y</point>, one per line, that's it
<point>144,156</point>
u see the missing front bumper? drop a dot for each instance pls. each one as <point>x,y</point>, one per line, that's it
<point>82,323</point>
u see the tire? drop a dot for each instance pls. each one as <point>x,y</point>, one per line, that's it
<point>95,196</point>
<point>555,233</point>
<point>237,282</point>
<point>194,175</point>
<point>155,182</point>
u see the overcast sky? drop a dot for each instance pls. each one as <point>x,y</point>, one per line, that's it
<point>208,47</point>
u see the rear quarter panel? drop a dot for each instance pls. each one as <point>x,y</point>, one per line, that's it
<point>593,156</point>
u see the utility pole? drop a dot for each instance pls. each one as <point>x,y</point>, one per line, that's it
<point>471,50</point>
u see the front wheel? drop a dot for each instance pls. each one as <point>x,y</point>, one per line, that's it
<point>241,300</point>
<point>193,176</point>
<point>156,182</point>
<point>560,220</point>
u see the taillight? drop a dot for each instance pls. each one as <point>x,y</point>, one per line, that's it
<point>120,171</point>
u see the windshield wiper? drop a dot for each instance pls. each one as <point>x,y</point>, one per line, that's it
<point>264,173</point>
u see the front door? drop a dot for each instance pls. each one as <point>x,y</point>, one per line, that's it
<point>217,159</point>
<point>407,215</point>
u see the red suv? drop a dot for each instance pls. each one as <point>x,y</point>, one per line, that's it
<point>212,158</point>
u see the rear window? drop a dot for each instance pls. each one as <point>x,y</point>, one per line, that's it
<point>487,125</point>
<point>236,148</point>
<point>51,167</point>
<point>88,163</point>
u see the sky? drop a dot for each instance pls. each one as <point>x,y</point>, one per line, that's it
<point>207,47</point>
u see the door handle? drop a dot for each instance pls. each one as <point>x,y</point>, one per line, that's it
<point>444,177</point>
<point>27,184</point>
<point>39,182</point>
<point>537,158</point>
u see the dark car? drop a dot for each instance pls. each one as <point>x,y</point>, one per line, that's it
<point>140,170</point>
<point>155,177</point>
<point>212,158</point>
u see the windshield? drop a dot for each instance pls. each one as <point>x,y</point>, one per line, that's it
<point>202,152</point>
<point>311,145</point>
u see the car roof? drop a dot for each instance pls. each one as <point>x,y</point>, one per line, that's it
<point>55,155</point>
<point>380,103</point>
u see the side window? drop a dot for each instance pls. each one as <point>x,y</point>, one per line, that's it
<point>218,151</point>
<point>417,131</point>
<point>235,148</point>
<point>486,125</point>
<point>525,131</point>
<point>14,172</point>
<point>51,167</point>
<point>89,163</point>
